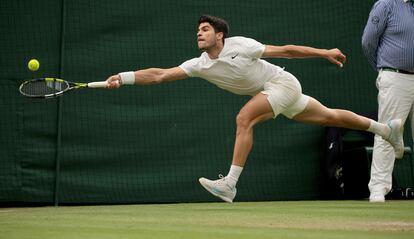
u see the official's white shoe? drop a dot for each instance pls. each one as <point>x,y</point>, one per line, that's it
<point>219,188</point>
<point>376,198</point>
<point>396,137</point>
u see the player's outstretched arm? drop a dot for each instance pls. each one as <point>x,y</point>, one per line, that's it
<point>146,77</point>
<point>293,51</point>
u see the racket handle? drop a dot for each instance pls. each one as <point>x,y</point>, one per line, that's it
<point>98,84</point>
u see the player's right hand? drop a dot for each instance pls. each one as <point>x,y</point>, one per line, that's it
<point>114,82</point>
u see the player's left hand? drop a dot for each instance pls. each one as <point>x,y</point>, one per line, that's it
<point>336,56</point>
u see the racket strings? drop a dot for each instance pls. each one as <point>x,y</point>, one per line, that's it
<point>39,88</point>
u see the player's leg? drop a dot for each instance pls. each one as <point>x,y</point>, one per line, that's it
<point>255,111</point>
<point>316,113</point>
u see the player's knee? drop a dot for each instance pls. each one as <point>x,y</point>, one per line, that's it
<point>242,121</point>
<point>331,118</point>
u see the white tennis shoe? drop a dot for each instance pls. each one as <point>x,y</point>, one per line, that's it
<point>396,137</point>
<point>219,188</point>
<point>376,198</point>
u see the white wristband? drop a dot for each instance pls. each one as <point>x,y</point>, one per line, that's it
<point>127,78</point>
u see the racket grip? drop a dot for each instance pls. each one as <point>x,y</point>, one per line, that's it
<point>98,84</point>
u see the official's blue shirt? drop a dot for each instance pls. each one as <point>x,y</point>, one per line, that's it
<point>388,39</point>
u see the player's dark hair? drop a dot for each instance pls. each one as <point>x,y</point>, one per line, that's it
<point>219,25</point>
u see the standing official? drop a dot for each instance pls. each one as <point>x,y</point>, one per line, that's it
<point>388,42</point>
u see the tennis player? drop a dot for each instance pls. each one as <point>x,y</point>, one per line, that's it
<point>234,64</point>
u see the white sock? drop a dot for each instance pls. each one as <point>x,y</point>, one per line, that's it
<point>381,129</point>
<point>233,175</point>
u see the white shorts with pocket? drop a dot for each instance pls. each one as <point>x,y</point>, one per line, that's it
<point>284,94</point>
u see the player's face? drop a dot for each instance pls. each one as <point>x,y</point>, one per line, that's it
<point>206,36</point>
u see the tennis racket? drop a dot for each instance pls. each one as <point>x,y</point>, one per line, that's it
<point>52,87</point>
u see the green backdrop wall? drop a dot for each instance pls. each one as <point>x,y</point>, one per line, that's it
<point>151,144</point>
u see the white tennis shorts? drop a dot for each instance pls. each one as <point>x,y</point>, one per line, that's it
<point>284,94</point>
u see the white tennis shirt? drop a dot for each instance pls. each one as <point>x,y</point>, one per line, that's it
<point>237,69</point>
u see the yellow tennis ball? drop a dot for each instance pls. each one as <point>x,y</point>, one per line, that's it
<point>33,65</point>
